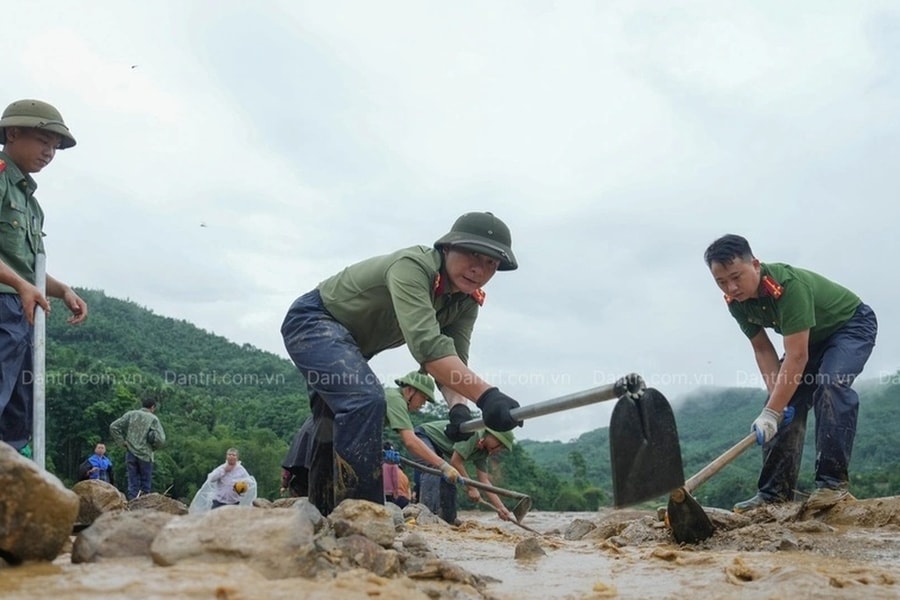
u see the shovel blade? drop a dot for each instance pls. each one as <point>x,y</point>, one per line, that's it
<point>644,449</point>
<point>688,521</point>
<point>521,508</point>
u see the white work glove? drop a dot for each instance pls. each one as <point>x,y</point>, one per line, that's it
<point>765,425</point>
<point>448,473</point>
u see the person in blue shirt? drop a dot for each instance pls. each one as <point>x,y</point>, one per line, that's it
<point>98,465</point>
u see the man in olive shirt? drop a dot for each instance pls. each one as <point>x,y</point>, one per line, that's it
<point>828,336</point>
<point>142,434</point>
<point>413,390</point>
<point>438,493</point>
<point>31,132</point>
<point>424,297</point>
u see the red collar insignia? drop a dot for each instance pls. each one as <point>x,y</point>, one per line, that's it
<point>2,165</point>
<point>770,287</point>
<point>439,288</point>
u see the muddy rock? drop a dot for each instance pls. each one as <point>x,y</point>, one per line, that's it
<point>37,512</point>
<point>158,502</point>
<point>97,497</point>
<point>278,542</point>
<point>367,519</point>
<point>529,548</point>
<point>579,528</point>
<point>358,551</point>
<point>119,534</point>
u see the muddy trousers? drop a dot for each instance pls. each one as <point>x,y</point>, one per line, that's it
<point>435,493</point>
<point>16,376</point>
<point>347,403</point>
<point>826,388</point>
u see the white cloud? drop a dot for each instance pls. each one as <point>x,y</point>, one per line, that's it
<point>616,139</point>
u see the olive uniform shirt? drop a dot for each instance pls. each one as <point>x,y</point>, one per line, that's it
<point>21,222</point>
<point>397,414</point>
<point>467,448</point>
<point>140,431</point>
<point>793,300</point>
<point>398,298</point>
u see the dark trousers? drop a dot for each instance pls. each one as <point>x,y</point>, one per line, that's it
<point>140,475</point>
<point>347,403</point>
<point>435,493</point>
<point>826,388</point>
<point>16,375</point>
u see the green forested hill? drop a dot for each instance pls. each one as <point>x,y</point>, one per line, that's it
<point>214,394</point>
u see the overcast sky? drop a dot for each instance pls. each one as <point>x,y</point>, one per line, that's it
<point>616,139</point>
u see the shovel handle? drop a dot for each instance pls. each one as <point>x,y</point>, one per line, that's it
<point>463,480</point>
<point>631,385</point>
<point>717,465</point>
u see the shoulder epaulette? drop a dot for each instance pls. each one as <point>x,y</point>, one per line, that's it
<point>771,287</point>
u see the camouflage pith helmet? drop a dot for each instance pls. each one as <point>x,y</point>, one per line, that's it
<point>36,114</point>
<point>506,437</point>
<point>482,232</point>
<point>420,381</point>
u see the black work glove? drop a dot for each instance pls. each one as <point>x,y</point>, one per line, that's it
<point>459,414</point>
<point>495,407</point>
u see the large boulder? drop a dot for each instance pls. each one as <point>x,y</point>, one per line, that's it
<point>37,512</point>
<point>97,497</point>
<point>278,542</point>
<point>119,534</point>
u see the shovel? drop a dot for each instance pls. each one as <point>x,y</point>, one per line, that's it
<point>487,504</point>
<point>644,449</point>
<point>630,386</point>
<point>687,519</point>
<point>519,510</point>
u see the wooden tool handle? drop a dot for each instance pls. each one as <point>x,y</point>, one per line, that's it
<point>715,466</point>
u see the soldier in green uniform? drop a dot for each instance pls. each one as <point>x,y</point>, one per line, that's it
<point>438,493</point>
<point>828,336</point>
<point>414,389</point>
<point>31,132</point>
<point>427,298</point>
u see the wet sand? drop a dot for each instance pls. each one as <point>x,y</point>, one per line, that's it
<point>856,554</point>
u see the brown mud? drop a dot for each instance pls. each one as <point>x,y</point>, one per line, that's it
<point>852,551</point>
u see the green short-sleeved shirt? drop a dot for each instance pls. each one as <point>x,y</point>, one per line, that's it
<point>467,448</point>
<point>390,300</point>
<point>807,301</point>
<point>397,415</point>
<point>21,222</point>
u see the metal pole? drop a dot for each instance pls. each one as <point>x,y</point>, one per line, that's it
<point>38,427</point>
<point>631,385</point>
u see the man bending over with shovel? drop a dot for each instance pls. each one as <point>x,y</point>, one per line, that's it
<point>424,297</point>
<point>828,336</point>
<point>439,493</point>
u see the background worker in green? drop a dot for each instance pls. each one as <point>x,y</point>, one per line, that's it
<point>414,389</point>
<point>412,392</point>
<point>425,297</point>
<point>31,132</point>
<point>828,334</point>
<point>141,433</point>
<point>439,493</point>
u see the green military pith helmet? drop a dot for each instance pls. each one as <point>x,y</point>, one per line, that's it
<point>482,232</point>
<point>36,114</point>
<point>420,381</point>
<point>506,437</point>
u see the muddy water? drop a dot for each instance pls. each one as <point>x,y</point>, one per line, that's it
<point>765,560</point>
<point>860,563</point>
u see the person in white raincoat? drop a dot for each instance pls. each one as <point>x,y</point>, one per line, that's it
<point>228,484</point>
